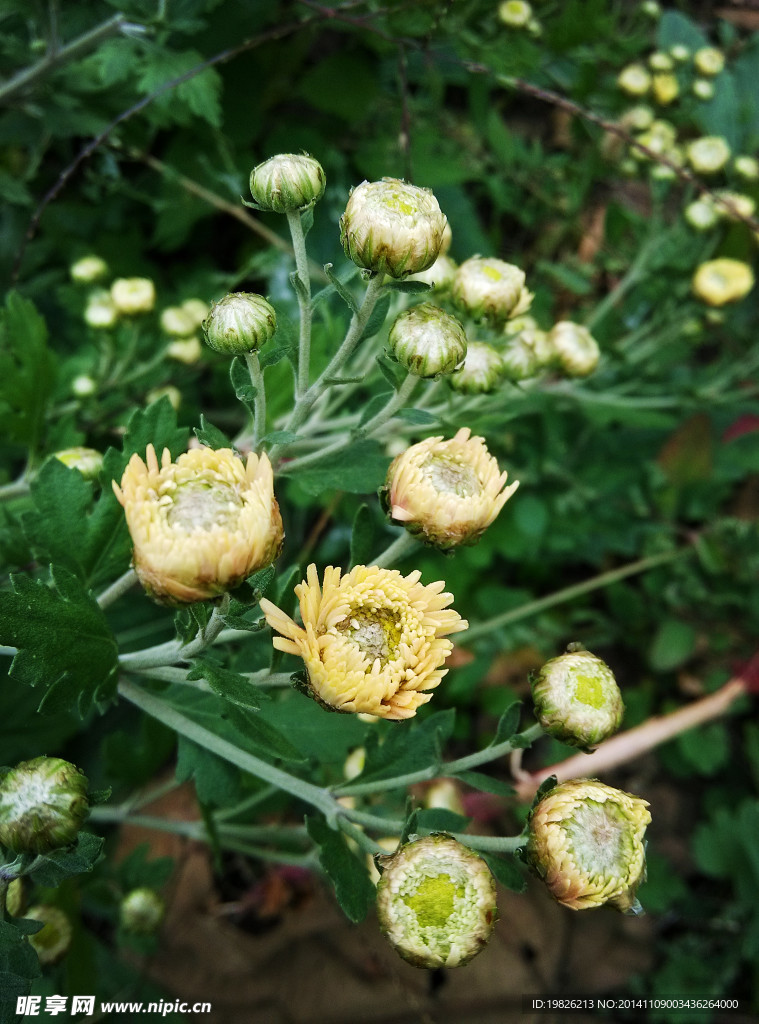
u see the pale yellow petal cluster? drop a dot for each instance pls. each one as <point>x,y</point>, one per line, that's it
<point>372,640</point>
<point>199,525</point>
<point>448,491</point>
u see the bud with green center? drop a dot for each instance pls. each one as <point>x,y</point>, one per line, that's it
<point>142,911</point>
<point>427,341</point>
<point>287,182</point>
<point>390,227</point>
<point>660,61</point>
<point>240,322</point>
<point>703,89</point>
<point>575,348</point>
<point>665,88</point>
<point>88,461</point>
<point>701,215</point>
<point>577,699</point>
<point>88,269</point>
<point>436,902</point>
<point>680,53</point>
<point>491,289</point>
<point>51,943</point>
<point>586,843</point>
<point>185,350</point>
<point>515,13</point>
<point>709,154</point>
<point>742,205</point>
<point>637,119</point>
<point>43,804</point>
<point>482,371</point>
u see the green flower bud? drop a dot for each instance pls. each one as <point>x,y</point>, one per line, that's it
<point>518,356</point>
<point>142,911</point>
<point>88,461</point>
<point>586,843</point>
<point>743,206</point>
<point>88,269</point>
<point>436,902</point>
<point>746,167</point>
<point>482,371</point>
<point>240,322</point>
<point>83,386</point>
<point>703,89</point>
<point>637,119</point>
<point>576,349</point>
<point>392,228</point>
<point>701,215</point>
<point>133,295</point>
<point>491,289</point>
<point>721,281</point>
<point>515,13</point>
<point>427,341</point>
<point>651,9</point>
<point>51,943</point>
<point>100,311</point>
<point>709,154</point>
<point>439,276</point>
<point>665,88</point>
<point>178,322</point>
<point>287,182</point>
<point>634,80</point>
<point>659,61</point>
<point>43,803</point>
<point>679,52</point>
<point>709,60</point>
<point>577,699</point>
<point>185,350</point>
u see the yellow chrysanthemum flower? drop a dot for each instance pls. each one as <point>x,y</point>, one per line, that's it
<point>447,491</point>
<point>372,640</point>
<point>199,525</point>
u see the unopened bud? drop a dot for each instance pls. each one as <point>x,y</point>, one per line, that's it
<point>665,88</point>
<point>185,350</point>
<point>746,167</point>
<point>142,911</point>
<point>197,310</point>
<point>240,322</point>
<point>577,699</point>
<point>709,61</point>
<point>576,349</point>
<point>701,215</point>
<point>133,295</point>
<point>51,943</point>
<point>721,281</point>
<point>427,341</point>
<point>703,89</point>
<point>515,13</point>
<point>634,80</point>
<point>491,289</point>
<point>709,154</point>
<point>436,902</point>
<point>177,322</point>
<point>519,358</point>
<point>43,803</point>
<point>680,53</point>
<point>481,373</point>
<point>83,386</point>
<point>100,311</point>
<point>439,276</point>
<point>287,182</point>
<point>742,205</point>
<point>88,461</point>
<point>88,269</point>
<point>659,61</point>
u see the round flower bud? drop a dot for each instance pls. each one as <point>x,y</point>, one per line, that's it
<point>651,9</point>
<point>287,182</point>
<point>142,911</point>
<point>701,215</point>
<point>679,53</point>
<point>577,699</point>
<point>88,461</point>
<point>43,803</point>
<point>637,119</point>
<point>427,341</point>
<point>51,943</point>
<point>665,88</point>
<point>177,322</point>
<point>709,154</point>
<point>447,492</point>
<point>132,295</point>
<point>703,89</point>
<point>372,641</point>
<point>439,276</point>
<point>519,359</point>
<point>709,61</point>
<point>100,311</point>
<point>746,167</point>
<point>718,282</point>
<point>436,902</point>
<point>88,269</point>
<point>482,371</point>
<point>743,206</point>
<point>199,525</point>
<point>575,348</point>
<point>518,324</point>
<point>240,322</point>
<point>83,386</point>
<point>515,13</point>
<point>586,843</point>
<point>197,310</point>
<point>491,289</point>
<point>659,61</point>
<point>185,350</point>
<point>634,80</point>
<point>392,228</point>
<point>173,394</point>
<point>447,239</point>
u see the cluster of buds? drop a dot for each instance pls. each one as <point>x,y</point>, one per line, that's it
<point>43,804</point>
<point>661,80</point>
<point>436,902</point>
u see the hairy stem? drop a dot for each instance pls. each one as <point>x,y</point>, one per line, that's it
<point>257,380</point>
<point>402,546</point>
<point>295,223</point>
<point>120,586</point>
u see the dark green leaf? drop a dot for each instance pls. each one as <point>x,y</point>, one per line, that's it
<point>506,871</point>
<point>229,685</point>
<point>240,377</point>
<point>53,868</point>
<point>27,371</point>
<point>375,405</point>
<point>360,470</point>
<point>439,819</point>
<point>377,316</point>
<point>345,294</point>
<point>486,783</point>
<point>217,782</point>
<point>363,535</point>
<point>353,888</point>
<point>210,435</point>
<point>280,437</point>
<point>317,734</point>
<point>392,371</point>
<point>672,645</point>
<point>407,747</point>
<point>136,869</point>
<point>508,723</point>
<point>420,416</point>
<point>408,287</point>
<point>64,641</point>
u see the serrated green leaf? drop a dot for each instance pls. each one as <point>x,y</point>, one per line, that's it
<point>199,94</point>
<point>27,371</point>
<point>210,435</point>
<point>353,888</point>
<point>240,378</point>
<point>229,685</point>
<point>156,425</point>
<point>55,867</point>
<point>407,747</point>
<point>64,641</point>
<point>506,871</point>
<point>360,469</point>
<point>363,535</point>
<point>217,782</point>
<point>485,783</point>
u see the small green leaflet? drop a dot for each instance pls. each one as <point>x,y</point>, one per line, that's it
<point>363,536</point>
<point>27,371</point>
<point>506,871</point>
<point>210,435</point>
<point>353,888</point>
<point>64,641</point>
<point>58,865</point>
<point>244,390</point>
<point>231,686</point>
<point>19,964</point>
<point>486,783</point>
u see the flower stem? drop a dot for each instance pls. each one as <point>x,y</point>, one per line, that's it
<point>604,579</point>
<point>397,402</point>
<point>163,712</point>
<point>120,586</point>
<point>403,545</point>
<point>303,292</point>
<point>174,651</point>
<point>390,826</point>
<point>16,489</point>
<point>257,380</point>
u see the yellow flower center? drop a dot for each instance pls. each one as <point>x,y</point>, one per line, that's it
<point>200,506</point>
<point>590,691</point>
<point>432,902</point>
<point>376,634</point>
<point>492,273</point>
<point>400,203</point>
<point>451,476</point>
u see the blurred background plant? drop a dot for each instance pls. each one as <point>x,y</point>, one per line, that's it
<point>127,142</point>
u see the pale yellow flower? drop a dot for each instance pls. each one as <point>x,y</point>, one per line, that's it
<point>132,295</point>
<point>199,525</point>
<point>447,491</point>
<point>178,322</point>
<point>88,269</point>
<point>185,350</point>
<point>665,88</point>
<point>718,282</point>
<point>634,80</point>
<point>372,640</point>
